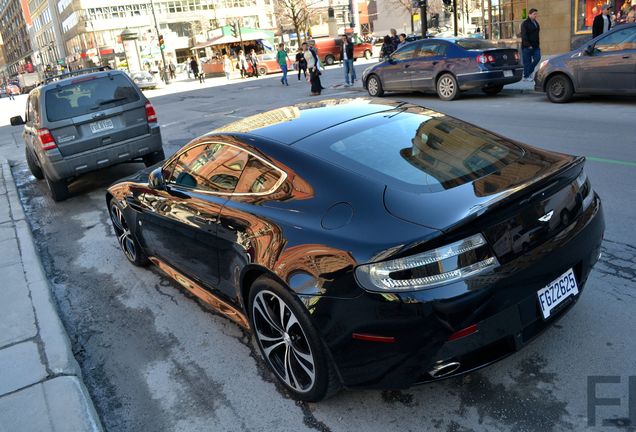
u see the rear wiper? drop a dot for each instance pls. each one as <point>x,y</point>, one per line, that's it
<point>106,102</point>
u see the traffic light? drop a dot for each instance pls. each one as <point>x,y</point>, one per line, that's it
<point>161,42</point>
<point>234,29</point>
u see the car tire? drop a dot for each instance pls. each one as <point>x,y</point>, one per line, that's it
<point>262,70</point>
<point>559,89</point>
<point>33,165</point>
<point>374,86</point>
<point>154,158</point>
<point>127,241</point>
<point>329,60</point>
<point>289,343</point>
<point>447,88</point>
<point>58,188</point>
<point>367,54</point>
<point>493,90</point>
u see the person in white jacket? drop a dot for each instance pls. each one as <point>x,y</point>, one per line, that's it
<point>312,65</point>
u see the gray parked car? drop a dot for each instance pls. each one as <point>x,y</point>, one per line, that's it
<point>605,65</point>
<point>446,66</point>
<point>80,122</point>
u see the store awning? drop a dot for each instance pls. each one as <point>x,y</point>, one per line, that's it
<point>226,39</point>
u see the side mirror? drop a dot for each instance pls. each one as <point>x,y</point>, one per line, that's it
<point>589,50</point>
<point>17,121</point>
<point>155,179</point>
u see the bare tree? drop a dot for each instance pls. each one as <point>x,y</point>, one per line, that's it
<point>294,14</point>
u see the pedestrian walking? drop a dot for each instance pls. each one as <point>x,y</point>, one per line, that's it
<point>313,66</point>
<point>395,39</point>
<point>253,60</point>
<point>241,64</point>
<point>530,47</point>
<point>12,90</point>
<point>201,72</point>
<point>301,63</point>
<point>188,67</point>
<point>281,58</point>
<point>602,22</point>
<point>346,54</point>
<point>194,67</point>
<point>172,69</point>
<point>387,48</point>
<point>402,41</point>
<point>227,66</point>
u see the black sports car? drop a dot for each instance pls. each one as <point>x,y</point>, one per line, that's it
<point>367,243</point>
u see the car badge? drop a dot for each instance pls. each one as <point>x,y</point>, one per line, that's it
<point>505,57</point>
<point>546,217</point>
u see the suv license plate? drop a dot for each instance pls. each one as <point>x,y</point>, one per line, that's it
<point>102,125</point>
<point>507,74</point>
<point>556,292</point>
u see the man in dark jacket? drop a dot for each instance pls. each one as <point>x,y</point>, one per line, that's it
<point>530,49</point>
<point>602,21</point>
<point>346,55</point>
<point>194,67</point>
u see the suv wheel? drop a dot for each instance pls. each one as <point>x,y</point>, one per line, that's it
<point>58,188</point>
<point>33,165</point>
<point>154,158</point>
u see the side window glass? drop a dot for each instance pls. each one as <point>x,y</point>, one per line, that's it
<point>214,167</point>
<point>258,177</point>
<point>432,49</point>
<point>618,41</point>
<point>405,53</point>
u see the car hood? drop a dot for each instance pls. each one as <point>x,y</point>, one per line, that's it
<point>453,206</point>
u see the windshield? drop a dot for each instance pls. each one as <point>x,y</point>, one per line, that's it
<point>87,94</point>
<point>415,151</point>
<point>475,44</point>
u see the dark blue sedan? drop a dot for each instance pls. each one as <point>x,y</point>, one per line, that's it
<point>446,66</point>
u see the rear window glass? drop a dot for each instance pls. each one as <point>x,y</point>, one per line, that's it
<point>414,151</point>
<point>475,44</point>
<point>86,95</point>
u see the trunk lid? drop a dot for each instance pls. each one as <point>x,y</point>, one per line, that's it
<point>503,57</point>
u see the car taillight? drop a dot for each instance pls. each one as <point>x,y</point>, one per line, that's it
<point>46,139</point>
<point>485,58</point>
<point>151,115</point>
<point>451,263</point>
<point>517,56</point>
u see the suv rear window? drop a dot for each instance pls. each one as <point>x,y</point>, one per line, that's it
<point>88,94</point>
<point>413,151</point>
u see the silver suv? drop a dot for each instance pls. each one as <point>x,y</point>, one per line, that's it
<point>84,121</point>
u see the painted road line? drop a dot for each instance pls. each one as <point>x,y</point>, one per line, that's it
<point>611,161</point>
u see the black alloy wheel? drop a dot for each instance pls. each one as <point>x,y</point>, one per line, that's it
<point>374,86</point>
<point>559,89</point>
<point>289,342</point>
<point>125,238</point>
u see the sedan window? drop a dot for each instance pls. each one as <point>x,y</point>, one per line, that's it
<point>432,49</point>
<point>405,53</point>
<point>618,41</point>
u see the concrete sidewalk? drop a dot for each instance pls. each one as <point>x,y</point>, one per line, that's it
<point>41,386</point>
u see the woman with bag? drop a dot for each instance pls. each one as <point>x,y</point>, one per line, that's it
<point>314,72</point>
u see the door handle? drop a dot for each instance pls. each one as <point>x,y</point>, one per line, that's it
<point>626,57</point>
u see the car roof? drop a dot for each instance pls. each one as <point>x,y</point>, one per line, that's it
<point>292,123</point>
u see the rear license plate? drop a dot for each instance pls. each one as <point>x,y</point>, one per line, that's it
<point>556,292</point>
<point>507,74</point>
<point>102,125</point>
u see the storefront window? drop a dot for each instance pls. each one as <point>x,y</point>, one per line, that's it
<point>586,10</point>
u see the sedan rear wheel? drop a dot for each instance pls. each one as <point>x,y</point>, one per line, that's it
<point>447,88</point>
<point>559,89</point>
<point>289,342</point>
<point>125,238</point>
<point>374,86</point>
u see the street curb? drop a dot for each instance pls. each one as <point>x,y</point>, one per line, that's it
<point>56,345</point>
<point>505,90</point>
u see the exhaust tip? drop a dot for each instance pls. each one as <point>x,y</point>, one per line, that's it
<point>443,369</point>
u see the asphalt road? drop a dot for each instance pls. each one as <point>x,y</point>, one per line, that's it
<point>153,359</point>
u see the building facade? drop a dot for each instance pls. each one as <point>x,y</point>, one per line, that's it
<point>49,52</point>
<point>14,19</point>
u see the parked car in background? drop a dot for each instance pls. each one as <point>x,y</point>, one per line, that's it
<point>606,65</point>
<point>359,240</point>
<point>86,120</point>
<point>328,49</point>
<point>144,80</point>
<point>445,66</point>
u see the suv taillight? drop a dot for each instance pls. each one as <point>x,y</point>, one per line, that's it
<point>151,115</point>
<point>46,139</point>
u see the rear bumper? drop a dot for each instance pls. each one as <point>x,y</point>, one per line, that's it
<point>57,167</point>
<point>473,80</point>
<point>506,313</point>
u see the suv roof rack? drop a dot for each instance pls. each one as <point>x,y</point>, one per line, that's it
<point>76,73</point>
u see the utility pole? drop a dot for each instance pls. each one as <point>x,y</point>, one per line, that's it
<point>455,16</point>
<point>163,56</point>
<point>423,4</point>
